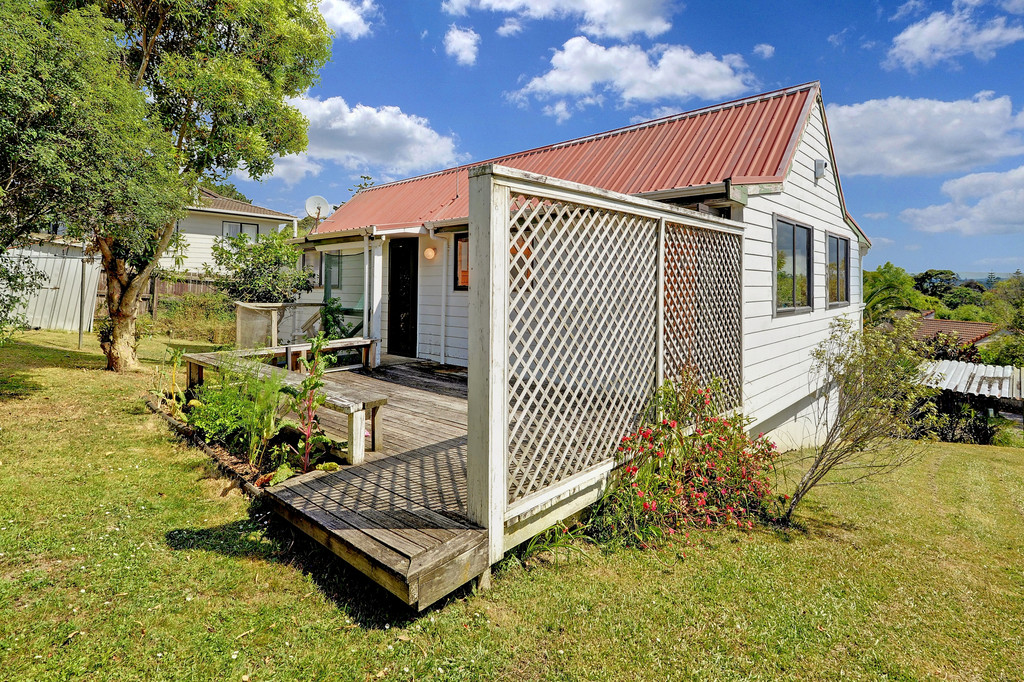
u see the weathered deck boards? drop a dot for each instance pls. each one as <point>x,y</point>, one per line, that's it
<point>400,516</point>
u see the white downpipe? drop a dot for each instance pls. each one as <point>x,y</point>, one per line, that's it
<point>366,285</point>
<point>444,299</point>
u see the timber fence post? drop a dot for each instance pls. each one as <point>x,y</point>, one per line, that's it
<point>486,465</point>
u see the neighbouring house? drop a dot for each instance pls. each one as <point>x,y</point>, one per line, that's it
<point>216,216</point>
<point>760,168</point>
<point>978,333</point>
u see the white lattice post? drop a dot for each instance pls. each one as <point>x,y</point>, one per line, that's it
<point>486,464</point>
<point>660,358</point>
<point>375,298</point>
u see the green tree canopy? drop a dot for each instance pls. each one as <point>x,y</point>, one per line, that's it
<point>264,271</point>
<point>936,283</point>
<point>76,141</point>
<point>217,78</point>
<point>959,296</point>
<point>225,189</point>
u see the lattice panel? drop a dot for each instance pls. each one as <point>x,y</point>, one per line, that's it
<point>582,318</point>
<point>703,307</point>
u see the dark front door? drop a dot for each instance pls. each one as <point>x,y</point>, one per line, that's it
<point>402,275</point>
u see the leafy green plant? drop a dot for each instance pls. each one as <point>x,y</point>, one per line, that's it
<point>220,412</point>
<point>263,271</point>
<point>243,412</point>
<point>263,421</point>
<point>870,408</point>
<point>333,320</point>
<point>687,466</point>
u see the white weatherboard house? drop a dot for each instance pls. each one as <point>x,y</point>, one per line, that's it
<point>578,275</point>
<point>216,216</point>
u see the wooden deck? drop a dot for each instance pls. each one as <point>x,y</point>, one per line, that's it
<point>400,516</point>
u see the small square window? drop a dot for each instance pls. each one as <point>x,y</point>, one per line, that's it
<point>461,262</point>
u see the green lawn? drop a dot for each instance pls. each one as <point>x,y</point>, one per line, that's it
<point>124,556</point>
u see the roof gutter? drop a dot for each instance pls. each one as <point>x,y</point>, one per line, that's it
<point>371,231</point>
<point>281,217</point>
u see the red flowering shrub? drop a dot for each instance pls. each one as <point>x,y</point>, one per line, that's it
<point>689,469</point>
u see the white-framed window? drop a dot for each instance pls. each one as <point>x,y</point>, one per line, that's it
<point>838,270</point>
<point>314,261</point>
<point>462,262</point>
<point>230,229</point>
<point>794,253</point>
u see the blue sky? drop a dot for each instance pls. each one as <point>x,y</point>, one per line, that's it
<point>925,100</point>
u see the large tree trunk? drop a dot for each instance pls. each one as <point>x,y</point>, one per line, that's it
<point>120,349</point>
<point>124,291</point>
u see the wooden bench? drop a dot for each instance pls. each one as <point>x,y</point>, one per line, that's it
<point>354,403</point>
<point>293,351</point>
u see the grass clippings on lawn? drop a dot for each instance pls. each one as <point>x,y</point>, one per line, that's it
<point>124,555</point>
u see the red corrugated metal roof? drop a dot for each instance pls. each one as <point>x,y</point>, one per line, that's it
<point>747,141</point>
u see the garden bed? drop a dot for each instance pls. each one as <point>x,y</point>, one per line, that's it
<point>244,473</point>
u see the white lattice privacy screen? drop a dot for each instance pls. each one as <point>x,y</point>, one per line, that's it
<point>582,335</point>
<point>703,307</point>
<point>581,301</point>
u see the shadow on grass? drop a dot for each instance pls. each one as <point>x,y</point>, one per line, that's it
<point>24,354</point>
<point>814,521</point>
<point>21,357</point>
<point>16,386</point>
<point>268,537</point>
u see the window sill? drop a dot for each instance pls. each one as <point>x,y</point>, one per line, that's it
<point>786,312</point>
<point>838,304</point>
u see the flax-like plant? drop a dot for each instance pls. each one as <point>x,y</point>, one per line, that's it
<point>263,422</point>
<point>871,406</point>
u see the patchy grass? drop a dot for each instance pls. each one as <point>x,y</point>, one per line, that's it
<point>124,556</point>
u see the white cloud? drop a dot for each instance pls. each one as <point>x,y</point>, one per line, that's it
<point>943,36</point>
<point>882,241</point>
<point>899,136</point>
<point>982,203</point>
<point>907,9</point>
<point>383,139</point>
<point>1013,6</point>
<point>512,26</point>
<point>560,110</point>
<point>294,168</point>
<point>838,39</point>
<point>881,215</point>
<point>349,17</point>
<point>764,50</point>
<point>586,72</point>
<point>462,43</point>
<point>600,18</point>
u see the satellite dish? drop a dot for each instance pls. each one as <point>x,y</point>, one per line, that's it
<point>317,207</point>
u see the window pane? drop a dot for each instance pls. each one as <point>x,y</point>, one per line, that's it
<point>462,262</point>
<point>844,272</point>
<point>833,270</point>
<point>251,230</point>
<point>784,265</point>
<point>231,229</point>
<point>801,274</point>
